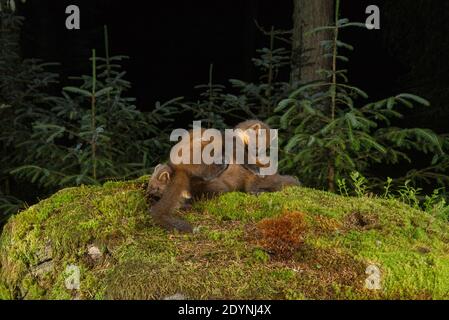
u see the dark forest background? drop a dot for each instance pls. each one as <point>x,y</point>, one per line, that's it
<point>172,44</point>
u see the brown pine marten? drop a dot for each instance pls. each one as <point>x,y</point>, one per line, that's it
<point>235,178</point>
<point>175,183</point>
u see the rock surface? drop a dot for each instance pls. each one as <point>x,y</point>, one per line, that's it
<point>296,244</point>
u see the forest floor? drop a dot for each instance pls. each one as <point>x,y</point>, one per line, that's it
<point>296,244</point>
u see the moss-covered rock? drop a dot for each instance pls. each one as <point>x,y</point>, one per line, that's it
<point>297,244</point>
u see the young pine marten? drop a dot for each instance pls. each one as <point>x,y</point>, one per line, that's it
<point>176,182</point>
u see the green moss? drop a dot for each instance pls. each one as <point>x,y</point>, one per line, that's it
<point>5,293</point>
<point>223,259</point>
<point>261,256</point>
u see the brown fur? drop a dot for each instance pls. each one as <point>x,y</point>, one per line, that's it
<point>199,180</point>
<point>235,179</point>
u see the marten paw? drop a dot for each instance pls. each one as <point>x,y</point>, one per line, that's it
<point>172,223</point>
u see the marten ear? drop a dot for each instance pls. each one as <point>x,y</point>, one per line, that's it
<point>164,176</point>
<point>256,127</point>
<point>157,168</point>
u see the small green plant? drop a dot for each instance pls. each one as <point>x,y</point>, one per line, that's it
<point>436,202</point>
<point>342,187</point>
<point>410,195</point>
<point>387,188</point>
<point>359,183</point>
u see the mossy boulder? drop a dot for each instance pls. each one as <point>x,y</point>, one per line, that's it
<point>296,244</point>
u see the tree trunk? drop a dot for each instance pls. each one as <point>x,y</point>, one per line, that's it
<point>307,52</point>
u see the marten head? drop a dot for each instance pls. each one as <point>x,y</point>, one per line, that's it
<point>159,181</point>
<point>250,131</point>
